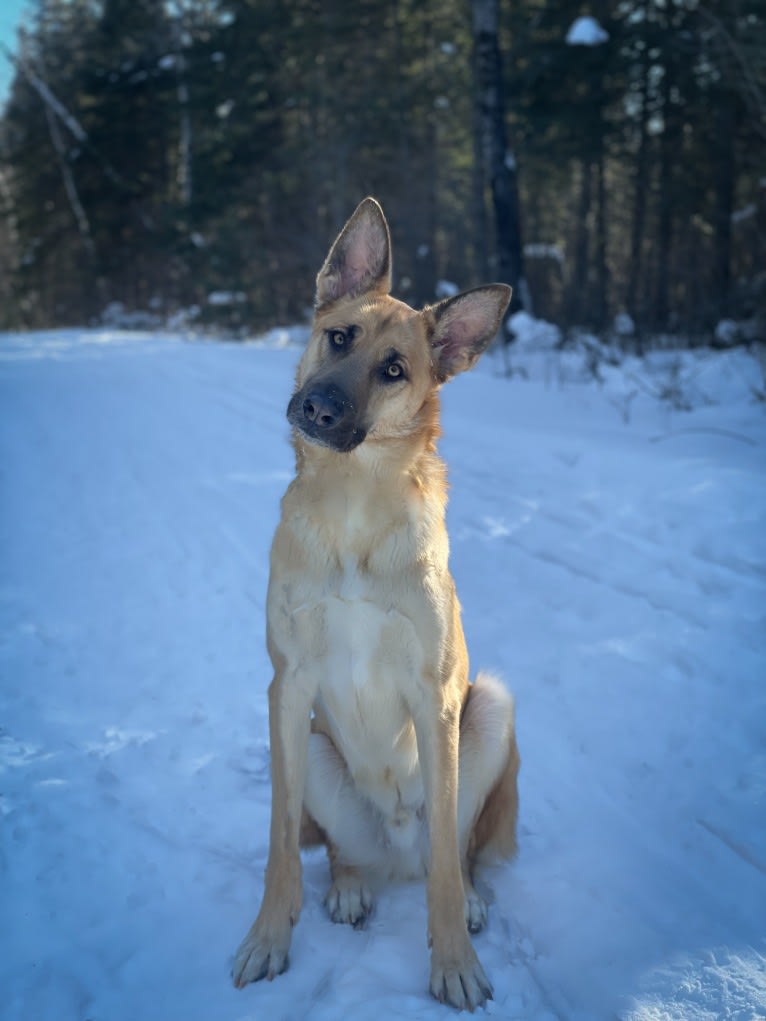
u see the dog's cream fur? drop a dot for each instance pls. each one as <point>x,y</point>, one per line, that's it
<point>381,747</point>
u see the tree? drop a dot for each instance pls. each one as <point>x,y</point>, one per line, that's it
<point>42,142</point>
<point>155,153</point>
<point>499,166</point>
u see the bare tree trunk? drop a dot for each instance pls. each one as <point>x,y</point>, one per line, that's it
<point>55,111</point>
<point>78,211</point>
<point>725,175</point>
<point>576,298</point>
<point>184,171</point>
<point>41,88</point>
<point>668,155</point>
<point>499,160</point>
<point>8,204</point>
<point>55,107</point>
<point>634,299</point>
<point>12,305</point>
<point>480,225</point>
<point>427,264</point>
<point>80,216</point>
<point>601,303</point>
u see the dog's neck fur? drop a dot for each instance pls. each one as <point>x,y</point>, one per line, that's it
<point>386,485</point>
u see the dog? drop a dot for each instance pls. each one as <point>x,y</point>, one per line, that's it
<point>381,747</point>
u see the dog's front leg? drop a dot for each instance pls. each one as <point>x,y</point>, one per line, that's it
<point>457,977</point>
<point>263,952</point>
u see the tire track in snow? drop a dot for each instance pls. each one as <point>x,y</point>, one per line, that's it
<point>596,578</point>
<point>734,845</point>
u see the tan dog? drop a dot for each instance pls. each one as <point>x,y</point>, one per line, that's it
<point>381,748</point>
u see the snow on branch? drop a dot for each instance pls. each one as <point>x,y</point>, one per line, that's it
<point>586,31</point>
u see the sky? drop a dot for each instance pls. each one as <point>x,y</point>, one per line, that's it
<point>10,16</point>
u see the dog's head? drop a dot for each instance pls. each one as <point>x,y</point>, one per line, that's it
<point>373,364</point>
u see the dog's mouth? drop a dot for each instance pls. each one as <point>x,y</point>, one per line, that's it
<point>326,415</point>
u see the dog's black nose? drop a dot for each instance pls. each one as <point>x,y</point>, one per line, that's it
<point>324,413</point>
<point>324,409</point>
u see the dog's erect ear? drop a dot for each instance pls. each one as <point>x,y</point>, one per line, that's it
<point>464,326</point>
<point>360,259</point>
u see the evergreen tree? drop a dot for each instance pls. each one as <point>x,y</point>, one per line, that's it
<point>154,153</point>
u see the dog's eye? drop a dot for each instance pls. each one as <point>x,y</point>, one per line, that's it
<point>338,339</point>
<point>393,371</point>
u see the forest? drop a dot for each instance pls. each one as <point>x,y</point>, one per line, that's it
<point>194,158</point>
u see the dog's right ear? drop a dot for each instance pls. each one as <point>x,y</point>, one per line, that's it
<point>360,259</point>
<point>463,327</point>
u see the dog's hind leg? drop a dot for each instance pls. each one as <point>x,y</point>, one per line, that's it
<point>487,795</point>
<point>351,827</point>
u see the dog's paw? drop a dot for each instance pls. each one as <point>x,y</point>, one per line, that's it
<point>475,910</point>
<point>350,901</point>
<point>262,954</point>
<point>460,981</point>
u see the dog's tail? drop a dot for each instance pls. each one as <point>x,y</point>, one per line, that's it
<point>494,833</point>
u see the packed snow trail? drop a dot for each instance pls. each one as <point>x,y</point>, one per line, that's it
<point>612,571</point>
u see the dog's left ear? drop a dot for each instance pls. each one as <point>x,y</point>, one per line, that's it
<point>360,259</point>
<point>464,326</point>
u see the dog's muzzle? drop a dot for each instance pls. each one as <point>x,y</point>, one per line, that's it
<point>325,414</point>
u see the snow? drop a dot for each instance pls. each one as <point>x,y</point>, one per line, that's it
<point>746,213</point>
<point>623,325</point>
<point>586,31</point>
<point>446,289</point>
<point>726,332</point>
<point>541,250</point>
<point>611,567</point>
<point>533,335</point>
<point>223,298</point>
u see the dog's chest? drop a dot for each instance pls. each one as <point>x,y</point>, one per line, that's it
<point>372,654</point>
<point>367,659</point>
<point>372,651</point>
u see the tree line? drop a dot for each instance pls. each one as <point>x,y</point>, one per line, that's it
<point>201,154</point>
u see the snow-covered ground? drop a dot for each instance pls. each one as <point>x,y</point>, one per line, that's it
<point>610,554</point>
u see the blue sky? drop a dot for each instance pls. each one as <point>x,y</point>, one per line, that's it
<point>10,15</point>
